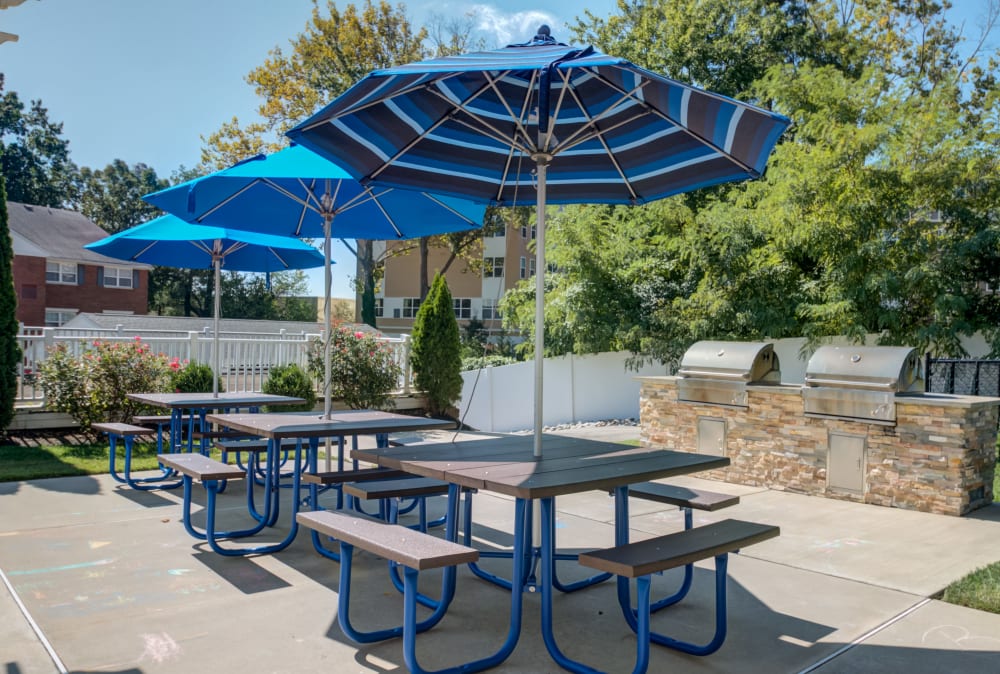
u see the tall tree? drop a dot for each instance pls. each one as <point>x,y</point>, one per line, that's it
<point>112,197</point>
<point>876,215</point>
<point>436,353</point>
<point>336,49</point>
<point>10,351</point>
<point>35,162</point>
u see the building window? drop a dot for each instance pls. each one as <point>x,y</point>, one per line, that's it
<point>463,307</point>
<point>56,317</point>
<point>60,272</point>
<point>531,267</point>
<point>493,267</point>
<point>525,230</point>
<point>411,305</point>
<point>491,312</point>
<point>524,267</point>
<point>495,226</point>
<point>379,307</point>
<point>117,277</point>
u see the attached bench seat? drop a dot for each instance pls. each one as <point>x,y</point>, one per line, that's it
<point>414,550</point>
<point>126,434</point>
<point>641,559</point>
<point>682,497</point>
<point>202,468</point>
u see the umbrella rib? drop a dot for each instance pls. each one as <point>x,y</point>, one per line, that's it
<point>278,257</point>
<point>392,223</point>
<point>229,198</point>
<point>455,107</point>
<point>518,120</point>
<point>666,117</point>
<point>599,135</point>
<point>581,133</point>
<point>445,206</point>
<point>143,251</point>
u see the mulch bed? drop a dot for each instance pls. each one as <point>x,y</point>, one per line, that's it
<point>46,436</point>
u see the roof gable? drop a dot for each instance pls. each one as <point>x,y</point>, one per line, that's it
<point>59,234</point>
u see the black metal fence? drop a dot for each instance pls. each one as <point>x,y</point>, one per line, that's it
<point>966,377</point>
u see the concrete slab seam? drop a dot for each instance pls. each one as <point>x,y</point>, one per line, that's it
<point>864,637</point>
<point>34,626</point>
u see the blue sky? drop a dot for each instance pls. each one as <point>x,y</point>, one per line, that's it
<point>143,80</point>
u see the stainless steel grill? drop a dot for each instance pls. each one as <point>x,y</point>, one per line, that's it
<point>718,372</point>
<point>860,382</point>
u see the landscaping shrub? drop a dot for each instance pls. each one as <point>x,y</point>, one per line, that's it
<point>92,387</point>
<point>475,363</point>
<point>436,354</point>
<point>190,377</point>
<point>290,380</point>
<point>363,371</point>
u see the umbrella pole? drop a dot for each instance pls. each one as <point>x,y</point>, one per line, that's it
<point>542,163</point>
<point>217,263</point>
<point>327,347</point>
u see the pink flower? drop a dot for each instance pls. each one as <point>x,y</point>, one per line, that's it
<point>359,334</point>
<point>138,338</point>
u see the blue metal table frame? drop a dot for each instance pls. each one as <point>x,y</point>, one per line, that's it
<point>308,428</point>
<point>570,465</point>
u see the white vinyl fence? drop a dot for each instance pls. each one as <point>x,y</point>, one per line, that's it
<point>244,358</point>
<point>576,388</point>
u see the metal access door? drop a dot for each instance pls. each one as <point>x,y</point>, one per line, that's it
<point>845,467</point>
<point>712,436</point>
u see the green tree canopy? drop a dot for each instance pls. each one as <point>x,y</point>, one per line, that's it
<point>35,162</point>
<point>112,197</point>
<point>878,212</point>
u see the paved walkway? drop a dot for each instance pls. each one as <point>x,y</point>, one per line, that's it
<point>110,582</point>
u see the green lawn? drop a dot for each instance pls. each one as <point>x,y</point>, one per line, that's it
<point>34,462</point>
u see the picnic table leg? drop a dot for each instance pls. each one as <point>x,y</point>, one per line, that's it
<point>621,538</point>
<point>516,602</point>
<point>261,549</point>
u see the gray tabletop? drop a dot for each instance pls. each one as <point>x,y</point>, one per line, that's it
<point>506,465</point>
<point>208,401</point>
<point>313,425</point>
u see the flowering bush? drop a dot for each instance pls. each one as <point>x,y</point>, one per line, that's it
<point>188,377</point>
<point>363,373</point>
<point>290,380</point>
<point>91,387</point>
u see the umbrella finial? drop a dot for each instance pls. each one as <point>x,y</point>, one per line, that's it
<point>544,35</point>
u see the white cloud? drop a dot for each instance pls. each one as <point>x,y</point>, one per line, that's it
<point>515,27</point>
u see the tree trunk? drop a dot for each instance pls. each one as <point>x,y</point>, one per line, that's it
<point>366,275</point>
<point>424,253</point>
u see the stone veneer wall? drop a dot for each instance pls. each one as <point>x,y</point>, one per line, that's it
<point>939,457</point>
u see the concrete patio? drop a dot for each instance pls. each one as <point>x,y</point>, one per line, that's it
<point>111,582</point>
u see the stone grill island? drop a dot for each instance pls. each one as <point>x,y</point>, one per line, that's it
<point>921,451</point>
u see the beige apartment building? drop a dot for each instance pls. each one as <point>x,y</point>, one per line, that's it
<point>506,260</point>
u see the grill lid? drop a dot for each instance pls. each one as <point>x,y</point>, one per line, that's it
<point>718,372</point>
<point>732,361</point>
<point>880,368</point>
<point>860,382</point>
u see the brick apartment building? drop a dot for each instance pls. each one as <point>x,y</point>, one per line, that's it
<point>506,257</point>
<point>55,277</point>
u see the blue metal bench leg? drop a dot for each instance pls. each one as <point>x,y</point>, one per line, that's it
<point>140,483</point>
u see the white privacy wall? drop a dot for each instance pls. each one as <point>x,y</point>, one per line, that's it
<point>576,388</point>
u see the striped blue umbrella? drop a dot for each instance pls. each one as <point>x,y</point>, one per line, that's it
<point>540,122</point>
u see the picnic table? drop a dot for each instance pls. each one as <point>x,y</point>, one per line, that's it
<point>307,428</point>
<point>506,465</point>
<point>197,405</point>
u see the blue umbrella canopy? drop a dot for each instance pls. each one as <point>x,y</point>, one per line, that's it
<point>169,241</point>
<point>540,122</point>
<point>295,192</point>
